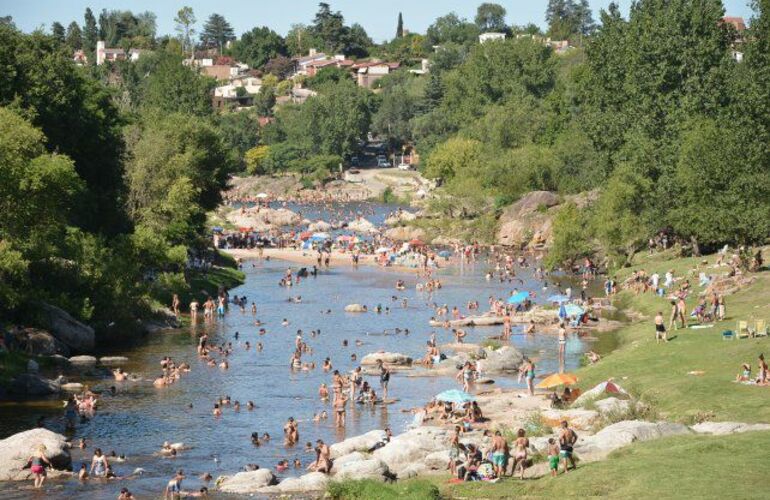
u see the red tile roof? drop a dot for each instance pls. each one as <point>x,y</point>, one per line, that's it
<point>738,23</point>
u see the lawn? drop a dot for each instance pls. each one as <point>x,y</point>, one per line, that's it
<point>679,467</point>
<point>660,372</point>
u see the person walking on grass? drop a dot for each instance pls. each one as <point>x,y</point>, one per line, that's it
<point>660,328</point>
<point>567,440</point>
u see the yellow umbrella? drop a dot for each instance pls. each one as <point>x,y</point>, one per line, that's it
<point>557,379</point>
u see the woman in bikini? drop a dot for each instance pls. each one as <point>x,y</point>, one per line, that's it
<point>520,452</point>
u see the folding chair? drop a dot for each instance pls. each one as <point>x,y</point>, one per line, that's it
<point>742,331</point>
<point>761,328</point>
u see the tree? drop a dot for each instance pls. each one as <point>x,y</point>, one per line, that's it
<point>402,96</point>
<point>255,160</point>
<point>280,66</point>
<point>185,26</point>
<point>172,87</point>
<point>451,28</point>
<point>90,32</point>
<point>216,33</point>
<point>329,27</point>
<point>491,17</point>
<point>454,158</point>
<point>258,46</point>
<point>325,76</point>
<point>400,26</point>
<point>240,132</point>
<point>571,237</point>
<point>357,41</point>
<point>74,38</point>
<point>569,18</point>
<point>300,39</point>
<point>57,30</point>
<point>264,101</point>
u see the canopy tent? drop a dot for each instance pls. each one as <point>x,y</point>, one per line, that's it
<point>455,396</point>
<point>558,298</point>
<point>518,297</point>
<point>557,379</point>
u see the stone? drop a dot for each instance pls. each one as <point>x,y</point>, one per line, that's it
<point>612,405</point>
<point>32,366</point>
<point>319,227</point>
<point>388,358</point>
<point>415,470</point>
<point>32,384</point>
<point>83,361</point>
<point>72,387</point>
<point>362,443</point>
<point>502,360</point>
<point>370,468</point>
<point>356,456</point>
<point>400,217</point>
<point>578,418</point>
<point>312,482</point>
<point>405,233</point>
<point>362,225</point>
<point>437,460</point>
<point>522,220</point>
<point>626,432</point>
<point>412,447</point>
<point>16,449</point>
<point>723,428</point>
<point>39,342</point>
<point>72,333</point>
<point>355,308</point>
<point>247,482</point>
<point>111,360</point>
<point>59,360</point>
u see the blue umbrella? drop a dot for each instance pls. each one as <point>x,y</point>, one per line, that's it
<point>558,298</point>
<point>445,254</point>
<point>455,396</point>
<point>573,310</point>
<point>217,229</point>
<point>518,297</point>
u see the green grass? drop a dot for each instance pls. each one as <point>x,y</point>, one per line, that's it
<point>211,280</point>
<point>660,372</point>
<point>369,489</point>
<point>679,467</point>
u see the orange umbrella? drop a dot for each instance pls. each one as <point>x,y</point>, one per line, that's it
<point>558,379</point>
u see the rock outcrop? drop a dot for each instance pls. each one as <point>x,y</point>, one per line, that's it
<point>247,482</point>
<point>412,447</point>
<point>32,384</point>
<point>362,225</point>
<point>368,468</point>
<point>16,450</point>
<point>723,428</point>
<point>388,358</point>
<point>309,483</point>
<point>357,444</point>
<point>39,342</point>
<point>626,432</point>
<point>405,233</point>
<point>69,331</point>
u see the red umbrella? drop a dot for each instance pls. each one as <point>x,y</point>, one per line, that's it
<point>417,243</point>
<point>305,235</point>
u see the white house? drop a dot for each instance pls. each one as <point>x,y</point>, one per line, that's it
<point>251,85</point>
<point>490,36</point>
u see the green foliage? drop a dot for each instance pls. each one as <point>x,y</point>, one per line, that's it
<point>172,87</point>
<point>258,46</point>
<point>451,28</point>
<point>568,19</point>
<point>325,76</point>
<point>255,159</point>
<point>491,17</point>
<point>240,132</point>
<point>368,488</point>
<point>572,237</point>
<point>216,33</point>
<point>13,277</point>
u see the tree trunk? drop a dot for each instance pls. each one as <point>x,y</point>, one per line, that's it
<point>695,246</point>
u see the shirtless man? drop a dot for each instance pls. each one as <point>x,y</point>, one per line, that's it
<point>520,452</point>
<point>323,461</point>
<point>499,453</point>
<point>660,328</point>
<point>567,439</point>
<point>339,409</point>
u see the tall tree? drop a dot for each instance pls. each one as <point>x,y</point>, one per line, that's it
<point>74,38</point>
<point>451,28</point>
<point>185,26</point>
<point>569,19</point>
<point>400,26</point>
<point>216,33</point>
<point>490,17</point>
<point>90,32</point>
<point>258,46</point>
<point>57,30</point>
<point>329,27</point>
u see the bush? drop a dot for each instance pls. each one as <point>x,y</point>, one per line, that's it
<point>368,489</point>
<point>492,344</point>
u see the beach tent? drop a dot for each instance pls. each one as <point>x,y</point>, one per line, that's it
<point>557,379</point>
<point>558,298</point>
<point>573,310</point>
<point>606,387</point>
<point>518,297</point>
<point>455,396</point>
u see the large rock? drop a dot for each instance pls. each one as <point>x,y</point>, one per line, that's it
<point>362,225</point>
<point>723,428</point>
<point>319,226</point>
<point>578,418</point>
<point>112,360</point>
<point>309,483</point>
<point>389,358</point>
<point>626,432</point>
<point>400,217</point>
<point>502,360</point>
<point>612,405</point>
<point>248,482</point>
<point>83,361</point>
<point>74,334</point>
<point>437,460</point>
<point>355,308</point>
<point>370,468</point>
<point>362,443</point>
<point>16,449</point>
<point>32,384</point>
<point>412,447</point>
<point>39,342</point>
<point>405,233</point>
<point>528,216</point>
<point>265,218</point>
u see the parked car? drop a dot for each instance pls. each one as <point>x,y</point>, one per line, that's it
<point>382,161</point>
<point>404,166</point>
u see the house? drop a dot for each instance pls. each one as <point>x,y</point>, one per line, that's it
<point>736,22</point>
<point>490,36</point>
<point>302,63</point>
<point>243,101</point>
<point>297,95</point>
<point>135,54</point>
<point>338,61</point>
<point>250,85</point>
<point>369,72</point>
<point>222,72</point>
<point>424,68</point>
<point>104,54</point>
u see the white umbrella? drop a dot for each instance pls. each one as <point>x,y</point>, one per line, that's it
<point>383,250</point>
<point>262,195</point>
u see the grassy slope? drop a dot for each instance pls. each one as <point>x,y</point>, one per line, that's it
<point>678,467</point>
<point>659,372</point>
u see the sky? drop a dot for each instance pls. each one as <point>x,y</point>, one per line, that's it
<point>378,17</point>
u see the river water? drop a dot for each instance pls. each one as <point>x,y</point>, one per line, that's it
<point>139,418</point>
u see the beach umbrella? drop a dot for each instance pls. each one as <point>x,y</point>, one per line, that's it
<point>518,297</point>
<point>445,254</point>
<point>455,396</point>
<point>557,379</point>
<point>573,310</point>
<point>416,243</point>
<point>383,250</point>
<point>262,195</point>
<point>558,298</point>
<point>320,236</point>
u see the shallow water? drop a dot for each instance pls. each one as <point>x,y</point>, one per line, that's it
<point>139,418</point>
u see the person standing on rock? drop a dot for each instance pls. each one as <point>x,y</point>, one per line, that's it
<point>175,305</point>
<point>567,440</point>
<point>384,379</point>
<point>38,461</point>
<point>323,461</point>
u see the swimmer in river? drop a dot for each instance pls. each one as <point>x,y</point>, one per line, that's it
<point>323,392</point>
<point>217,412</point>
<point>291,432</point>
<point>250,405</point>
<point>120,375</point>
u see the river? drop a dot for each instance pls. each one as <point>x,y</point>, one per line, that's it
<point>139,418</point>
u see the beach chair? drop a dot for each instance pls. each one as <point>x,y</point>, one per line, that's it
<point>728,335</point>
<point>742,332</point>
<point>761,328</point>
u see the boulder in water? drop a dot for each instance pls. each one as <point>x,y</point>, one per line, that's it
<point>83,361</point>
<point>355,308</point>
<point>39,342</point>
<point>504,359</point>
<point>16,450</point>
<point>32,384</point>
<point>71,332</point>
<point>111,360</point>
<point>247,482</point>
<point>362,225</point>
<point>362,443</point>
<point>388,358</point>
